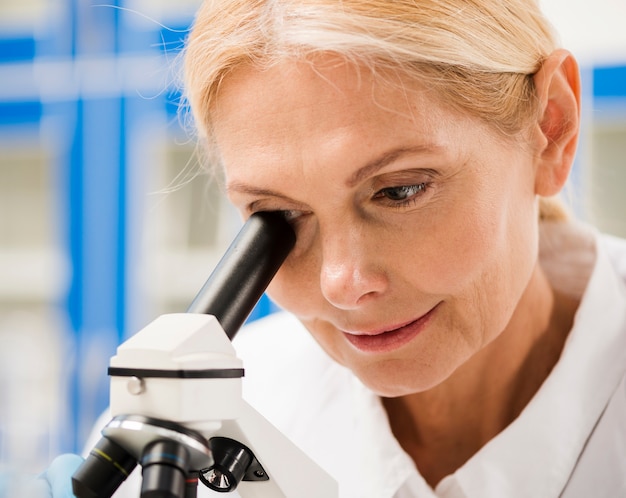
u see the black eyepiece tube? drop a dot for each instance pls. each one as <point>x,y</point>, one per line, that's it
<point>245,270</point>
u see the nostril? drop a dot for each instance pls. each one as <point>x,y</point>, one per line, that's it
<point>348,286</point>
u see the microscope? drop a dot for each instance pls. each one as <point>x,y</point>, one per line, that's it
<point>176,403</point>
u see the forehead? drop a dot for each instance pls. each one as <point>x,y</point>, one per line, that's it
<point>321,80</point>
<point>300,101</point>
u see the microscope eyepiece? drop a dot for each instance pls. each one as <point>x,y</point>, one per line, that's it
<point>245,270</point>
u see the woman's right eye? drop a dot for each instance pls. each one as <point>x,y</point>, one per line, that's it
<point>291,215</point>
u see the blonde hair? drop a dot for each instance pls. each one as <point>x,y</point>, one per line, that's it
<point>477,55</point>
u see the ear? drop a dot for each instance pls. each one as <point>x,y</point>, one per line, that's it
<point>557,84</point>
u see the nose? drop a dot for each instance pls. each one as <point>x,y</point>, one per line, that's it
<point>351,273</point>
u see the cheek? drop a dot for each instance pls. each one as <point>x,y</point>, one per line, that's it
<point>479,260</point>
<point>491,229</point>
<point>295,288</point>
<point>456,249</point>
<point>292,291</point>
<point>488,263</point>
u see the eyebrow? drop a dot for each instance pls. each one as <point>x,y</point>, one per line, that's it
<point>245,188</point>
<point>385,159</point>
<point>368,169</point>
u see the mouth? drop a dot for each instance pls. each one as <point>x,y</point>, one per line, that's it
<point>391,339</point>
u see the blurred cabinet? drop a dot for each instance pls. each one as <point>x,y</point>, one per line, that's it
<point>34,268</point>
<point>607,177</point>
<point>33,330</point>
<point>32,261</point>
<point>605,171</point>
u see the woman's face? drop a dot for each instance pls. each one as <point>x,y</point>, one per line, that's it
<point>416,225</point>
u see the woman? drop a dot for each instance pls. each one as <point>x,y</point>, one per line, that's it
<point>473,337</point>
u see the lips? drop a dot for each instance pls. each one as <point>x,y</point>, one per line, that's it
<point>389,340</point>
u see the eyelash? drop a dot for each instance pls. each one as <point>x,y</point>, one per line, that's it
<point>418,188</point>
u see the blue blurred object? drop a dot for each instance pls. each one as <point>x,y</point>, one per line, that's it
<point>609,81</point>
<point>54,482</point>
<point>59,475</point>
<point>17,49</point>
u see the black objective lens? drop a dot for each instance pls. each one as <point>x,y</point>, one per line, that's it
<point>191,485</point>
<point>165,465</point>
<point>102,472</point>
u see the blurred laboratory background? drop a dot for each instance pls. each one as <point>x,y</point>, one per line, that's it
<point>106,219</point>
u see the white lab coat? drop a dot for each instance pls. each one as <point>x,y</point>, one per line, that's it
<point>569,442</point>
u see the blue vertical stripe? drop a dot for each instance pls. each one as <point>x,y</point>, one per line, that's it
<point>76,222</point>
<point>97,214</point>
<point>120,288</point>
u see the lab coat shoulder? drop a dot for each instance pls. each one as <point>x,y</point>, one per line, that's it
<point>601,468</point>
<point>616,251</point>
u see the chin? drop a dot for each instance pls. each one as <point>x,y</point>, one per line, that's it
<point>393,391</point>
<point>394,385</point>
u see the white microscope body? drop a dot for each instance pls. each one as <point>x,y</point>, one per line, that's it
<point>186,342</point>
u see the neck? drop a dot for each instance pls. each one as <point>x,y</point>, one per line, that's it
<point>443,427</point>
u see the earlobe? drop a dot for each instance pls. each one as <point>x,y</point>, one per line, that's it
<point>557,84</point>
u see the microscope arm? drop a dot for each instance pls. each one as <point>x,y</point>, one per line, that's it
<point>293,474</point>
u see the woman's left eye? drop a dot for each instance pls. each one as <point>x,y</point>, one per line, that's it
<point>401,195</point>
